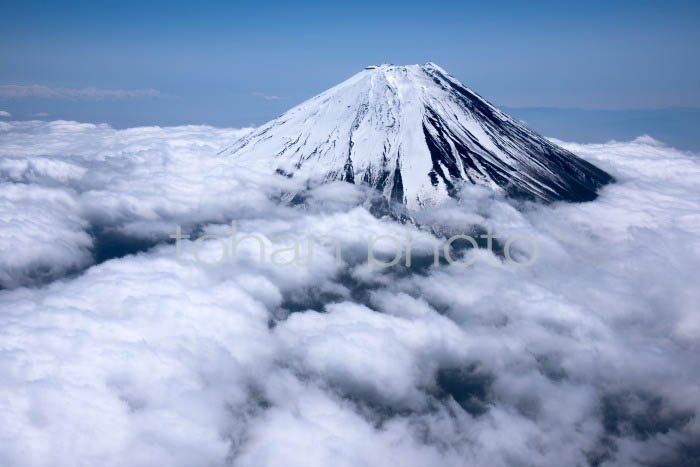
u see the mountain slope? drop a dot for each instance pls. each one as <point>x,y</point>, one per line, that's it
<point>415,133</point>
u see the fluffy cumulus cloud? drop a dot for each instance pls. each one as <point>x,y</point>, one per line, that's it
<point>41,233</point>
<point>64,184</point>
<point>119,347</point>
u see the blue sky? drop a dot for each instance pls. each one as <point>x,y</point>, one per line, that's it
<point>241,63</point>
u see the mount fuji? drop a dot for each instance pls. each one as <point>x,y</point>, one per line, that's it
<point>415,133</point>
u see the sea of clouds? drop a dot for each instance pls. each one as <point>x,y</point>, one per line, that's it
<point>115,353</point>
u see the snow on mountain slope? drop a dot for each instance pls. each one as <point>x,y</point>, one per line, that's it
<point>415,133</point>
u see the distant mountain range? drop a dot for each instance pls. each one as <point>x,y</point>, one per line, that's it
<point>674,126</point>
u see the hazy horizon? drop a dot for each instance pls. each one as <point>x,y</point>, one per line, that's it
<point>234,65</point>
<point>674,126</point>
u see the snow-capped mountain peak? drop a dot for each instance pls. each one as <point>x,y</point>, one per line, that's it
<point>415,133</point>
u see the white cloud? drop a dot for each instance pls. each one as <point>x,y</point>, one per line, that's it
<point>42,234</point>
<point>267,97</point>
<point>134,180</point>
<point>5,114</point>
<point>15,91</point>
<point>142,361</point>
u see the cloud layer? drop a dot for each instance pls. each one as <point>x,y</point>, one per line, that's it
<point>36,91</point>
<point>588,357</point>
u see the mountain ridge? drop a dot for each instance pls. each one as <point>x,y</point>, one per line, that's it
<point>415,133</point>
